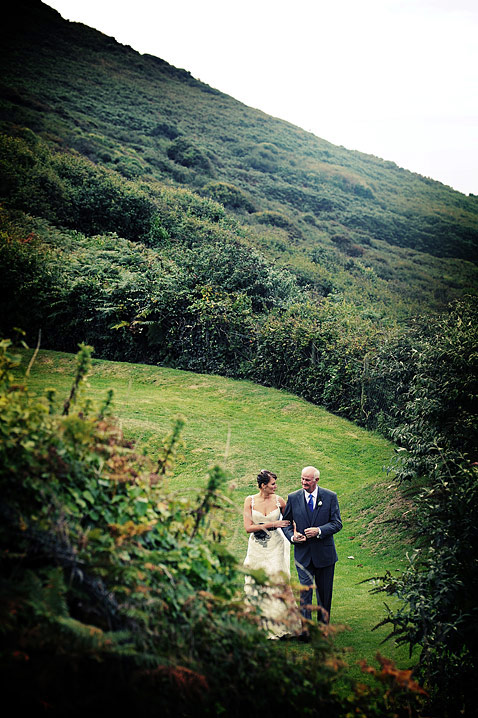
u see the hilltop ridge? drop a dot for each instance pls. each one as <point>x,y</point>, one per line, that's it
<point>144,117</point>
<point>344,223</point>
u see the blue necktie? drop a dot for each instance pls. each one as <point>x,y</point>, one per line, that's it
<point>310,503</point>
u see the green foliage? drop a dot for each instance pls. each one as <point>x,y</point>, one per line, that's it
<point>186,153</point>
<point>217,307</point>
<point>431,372</point>
<point>165,130</point>
<point>438,589</point>
<point>263,157</point>
<point>72,191</point>
<point>184,214</point>
<point>76,496</point>
<point>229,196</point>
<point>31,279</point>
<point>276,219</point>
<point>346,245</point>
<point>435,372</point>
<point>315,351</point>
<point>166,304</point>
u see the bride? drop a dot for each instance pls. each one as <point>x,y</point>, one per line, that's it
<point>268,549</point>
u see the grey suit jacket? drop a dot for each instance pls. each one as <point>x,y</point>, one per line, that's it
<point>319,551</point>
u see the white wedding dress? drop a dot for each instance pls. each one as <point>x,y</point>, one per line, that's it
<point>271,552</point>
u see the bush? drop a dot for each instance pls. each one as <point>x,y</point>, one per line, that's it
<point>31,279</point>
<point>431,377</point>
<point>186,153</point>
<point>434,371</point>
<point>276,219</point>
<point>263,157</point>
<point>164,129</point>
<point>71,191</point>
<point>315,351</point>
<point>229,196</point>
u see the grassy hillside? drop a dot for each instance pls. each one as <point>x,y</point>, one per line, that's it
<point>344,223</point>
<point>245,428</point>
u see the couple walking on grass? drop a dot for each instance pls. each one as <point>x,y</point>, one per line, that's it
<point>308,520</point>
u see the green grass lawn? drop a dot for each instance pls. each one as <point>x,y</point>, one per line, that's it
<point>246,427</point>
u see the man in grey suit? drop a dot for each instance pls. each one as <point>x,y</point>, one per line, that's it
<point>314,517</point>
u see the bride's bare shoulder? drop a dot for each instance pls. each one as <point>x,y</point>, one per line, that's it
<point>248,500</point>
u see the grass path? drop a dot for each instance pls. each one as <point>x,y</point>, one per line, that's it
<point>264,428</point>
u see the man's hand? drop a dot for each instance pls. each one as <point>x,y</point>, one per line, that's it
<point>298,537</point>
<point>312,532</point>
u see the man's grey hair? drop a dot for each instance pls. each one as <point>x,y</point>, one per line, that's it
<point>312,468</point>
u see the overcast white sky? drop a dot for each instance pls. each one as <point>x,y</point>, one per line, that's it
<point>392,78</point>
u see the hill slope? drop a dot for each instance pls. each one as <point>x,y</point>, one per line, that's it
<point>337,219</point>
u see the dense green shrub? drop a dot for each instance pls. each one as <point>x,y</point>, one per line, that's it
<point>427,379</point>
<point>263,157</point>
<point>32,281</point>
<point>315,351</point>
<point>185,152</point>
<point>228,195</point>
<point>276,219</point>
<point>71,191</point>
<point>346,245</point>
<point>435,372</point>
<point>438,612</point>
<point>139,304</point>
<point>164,129</point>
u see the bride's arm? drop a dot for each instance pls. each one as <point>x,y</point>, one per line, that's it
<point>286,511</point>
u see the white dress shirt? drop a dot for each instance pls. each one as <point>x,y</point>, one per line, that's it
<point>314,494</point>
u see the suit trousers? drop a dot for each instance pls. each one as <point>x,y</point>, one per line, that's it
<point>323,579</point>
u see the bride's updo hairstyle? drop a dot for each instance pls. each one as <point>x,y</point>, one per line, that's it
<point>264,477</point>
